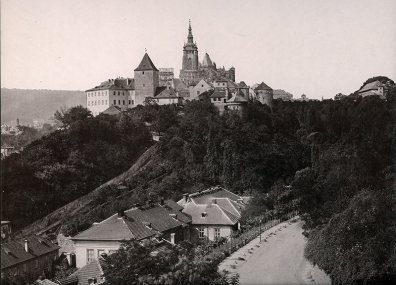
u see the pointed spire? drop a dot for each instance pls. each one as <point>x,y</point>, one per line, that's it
<point>190,36</point>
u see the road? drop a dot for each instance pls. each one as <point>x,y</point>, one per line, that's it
<point>279,260</point>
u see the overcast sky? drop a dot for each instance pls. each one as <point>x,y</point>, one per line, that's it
<point>314,47</point>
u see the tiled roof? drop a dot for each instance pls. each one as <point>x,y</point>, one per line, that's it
<point>263,86</point>
<point>179,84</point>
<point>229,205</point>
<point>209,214</point>
<point>91,270</point>
<point>165,92</point>
<point>112,110</point>
<point>215,192</point>
<point>146,64</point>
<point>218,94</point>
<point>371,86</point>
<point>13,252</point>
<point>134,224</point>
<point>115,84</point>
<point>45,282</point>
<point>242,84</point>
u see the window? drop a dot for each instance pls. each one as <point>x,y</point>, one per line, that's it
<point>88,103</point>
<point>100,252</point>
<point>25,267</point>
<point>105,102</point>
<point>115,102</point>
<point>123,102</point>
<point>142,72</point>
<point>202,85</point>
<point>119,102</point>
<point>118,93</point>
<point>198,92</point>
<point>129,102</point>
<point>217,233</point>
<point>144,85</point>
<point>201,233</point>
<point>102,102</point>
<point>225,100</point>
<point>133,102</point>
<point>90,255</point>
<point>113,92</point>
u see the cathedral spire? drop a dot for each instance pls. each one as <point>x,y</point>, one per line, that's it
<point>190,36</point>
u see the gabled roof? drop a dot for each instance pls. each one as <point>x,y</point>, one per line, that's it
<point>133,225</point>
<point>13,252</point>
<point>218,93</point>
<point>263,86</point>
<point>115,84</point>
<point>112,110</point>
<point>146,64</point>
<point>44,282</point>
<point>242,84</point>
<point>209,214</point>
<point>165,92</point>
<point>91,270</point>
<point>371,86</point>
<point>179,84</point>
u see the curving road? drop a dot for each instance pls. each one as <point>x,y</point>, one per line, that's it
<point>280,260</point>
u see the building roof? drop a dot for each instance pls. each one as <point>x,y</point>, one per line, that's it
<point>137,223</point>
<point>206,60</point>
<point>146,64</point>
<point>92,270</point>
<point>165,93</point>
<point>45,282</point>
<point>242,84</point>
<point>112,110</point>
<point>13,252</point>
<point>371,86</point>
<point>237,98</point>
<point>209,214</point>
<point>263,86</point>
<point>115,84</point>
<point>218,93</point>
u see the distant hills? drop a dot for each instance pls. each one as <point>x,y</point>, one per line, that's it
<point>29,105</point>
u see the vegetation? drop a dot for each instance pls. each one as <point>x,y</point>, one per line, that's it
<point>333,159</point>
<point>170,265</point>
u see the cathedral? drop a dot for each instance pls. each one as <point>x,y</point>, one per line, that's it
<point>193,71</point>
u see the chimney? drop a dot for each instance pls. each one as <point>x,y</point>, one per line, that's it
<point>162,201</point>
<point>121,213</point>
<point>185,196</point>
<point>26,245</point>
<point>214,201</point>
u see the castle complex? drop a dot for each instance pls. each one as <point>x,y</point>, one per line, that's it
<point>159,86</point>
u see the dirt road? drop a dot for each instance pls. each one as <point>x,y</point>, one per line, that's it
<point>279,260</point>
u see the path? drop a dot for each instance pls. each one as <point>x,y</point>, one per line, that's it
<point>278,260</point>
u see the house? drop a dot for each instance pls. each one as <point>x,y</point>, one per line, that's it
<point>167,95</point>
<point>119,92</point>
<point>215,213</point>
<point>237,102</point>
<point>25,260</point>
<point>112,110</point>
<point>373,88</point>
<point>91,273</point>
<point>7,150</point>
<point>163,221</point>
<point>201,87</point>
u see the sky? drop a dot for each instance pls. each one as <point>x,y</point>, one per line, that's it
<point>316,47</point>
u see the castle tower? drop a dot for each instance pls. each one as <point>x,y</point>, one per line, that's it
<point>190,63</point>
<point>146,80</point>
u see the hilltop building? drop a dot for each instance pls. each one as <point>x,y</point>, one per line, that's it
<point>193,71</point>
<point>215,213</point>
<point>376,88</point>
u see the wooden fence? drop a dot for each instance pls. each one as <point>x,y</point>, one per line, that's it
<point>258,226</point>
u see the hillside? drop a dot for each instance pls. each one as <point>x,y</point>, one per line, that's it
<point>29,105</point>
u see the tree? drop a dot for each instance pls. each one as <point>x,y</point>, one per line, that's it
<point>72,115</point>
<point>135,263</point>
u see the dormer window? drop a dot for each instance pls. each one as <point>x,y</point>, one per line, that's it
<point>204,215</point>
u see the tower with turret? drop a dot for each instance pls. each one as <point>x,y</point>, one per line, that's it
<point>190,63</point>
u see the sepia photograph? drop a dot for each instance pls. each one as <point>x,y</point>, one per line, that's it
<point>198,142</point>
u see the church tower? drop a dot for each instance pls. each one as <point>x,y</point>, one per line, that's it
<point>190,64</point>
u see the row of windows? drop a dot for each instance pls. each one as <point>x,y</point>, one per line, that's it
<point>100,93</point>
<point>202,233</point>
<point>91,254</point>
<point>219,99</point>
<point>94,103</point>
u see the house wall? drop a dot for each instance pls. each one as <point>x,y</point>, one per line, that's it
<point>98,101</point>
<point>265,96</point>
<point>209,231</point>
<point>83,246</point>
<point>198,89</point>
<point>31,269</point>
<point>167,101</point>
